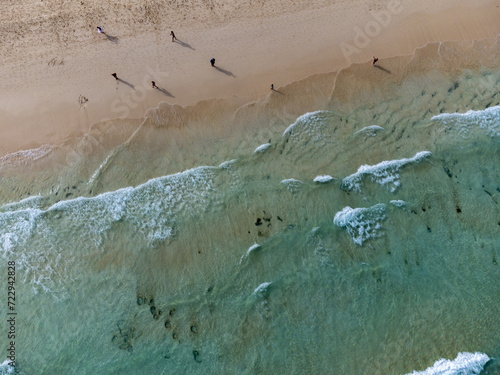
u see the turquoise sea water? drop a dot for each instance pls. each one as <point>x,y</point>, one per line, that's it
<point>360,240</point>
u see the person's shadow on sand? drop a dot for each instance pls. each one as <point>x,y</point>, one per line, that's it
<point>127,83</point>
<point>165,92</point>
<point>112,38</point>
<point>382,69</point>
<point>226,72</point>
<point>184,44</point>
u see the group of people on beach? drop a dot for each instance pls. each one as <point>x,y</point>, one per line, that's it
<point>153,83</point>
<point>100,30</point>
<point>212,60</point>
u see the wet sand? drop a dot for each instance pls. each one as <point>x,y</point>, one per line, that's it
<point>56,68</point>
<point>169,203</point>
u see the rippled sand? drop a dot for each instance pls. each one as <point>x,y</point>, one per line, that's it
<point>175,244</point>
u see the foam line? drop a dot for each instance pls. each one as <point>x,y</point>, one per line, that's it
<point>262,148</point>
<point>385,173</point>
<point>361,223</point>
<point>323,179</point>
<point>464,364</point>
<point>370,130</point>
<point>487,119</point>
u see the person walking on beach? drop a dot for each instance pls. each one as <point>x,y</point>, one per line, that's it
<point>153,85</point>
<point>375,59</point>
<point>272,86</point>
<point>212,61</point>
<point>173,35</point>
<point>100,30</point>
<point>114,75</point>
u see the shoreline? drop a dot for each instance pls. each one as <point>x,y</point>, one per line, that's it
<point>254,53</point>
<point>171,138</point>
<point>348,217</point>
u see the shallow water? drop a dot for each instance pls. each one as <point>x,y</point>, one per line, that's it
<point>384,268</point>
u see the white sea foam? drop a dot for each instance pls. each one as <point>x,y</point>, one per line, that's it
<point>92,217</point>
<point>227,164</point>
<point>29,238</point>
<point>292,184</point>
<point>323,178</point>
<point>30,202</point>
<point>153,206</point>
<point>39,238</point>
<point>398,203</point>
<point>254,247</point>
<point>234,180</point>
<point>99,170</point>
<point>262,148</point>
<point>310,125</point>
<point>487,119</point>
<point>16,228</point>
<point>371,130</point>
<point>262,290</point>
<point>250,250</point>
<point>5,369</point>
<point>25,156</point>
<point>361,223</point>
<point>464,364</point>
<point>384,173</point>
<point>150,206</point>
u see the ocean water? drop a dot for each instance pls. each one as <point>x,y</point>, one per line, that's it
<point>326,231</point>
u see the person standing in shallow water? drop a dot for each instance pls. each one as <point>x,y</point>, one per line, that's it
<point>212,61</point>
<point>173,35</point>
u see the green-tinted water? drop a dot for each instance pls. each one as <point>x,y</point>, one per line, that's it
<point>412,279</point>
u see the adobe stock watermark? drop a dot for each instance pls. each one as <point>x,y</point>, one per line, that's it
<point>122,106</point>
<point>372,29</point>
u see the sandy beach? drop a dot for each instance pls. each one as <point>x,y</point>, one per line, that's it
<point>345,221</point>
<point>55,70</point>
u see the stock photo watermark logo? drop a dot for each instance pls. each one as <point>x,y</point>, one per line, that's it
<point>122,106</point>
<point>372,29</point>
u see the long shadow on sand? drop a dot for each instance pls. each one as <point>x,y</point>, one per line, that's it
<point>165,92</point>
<point>127,83</point>
<point>184,44</point>
<point>279,92</point>
<point>112,38</point>
<point>382,69</point>
<point>226,72</point>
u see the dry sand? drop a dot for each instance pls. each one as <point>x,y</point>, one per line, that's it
<point>55,69</point>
